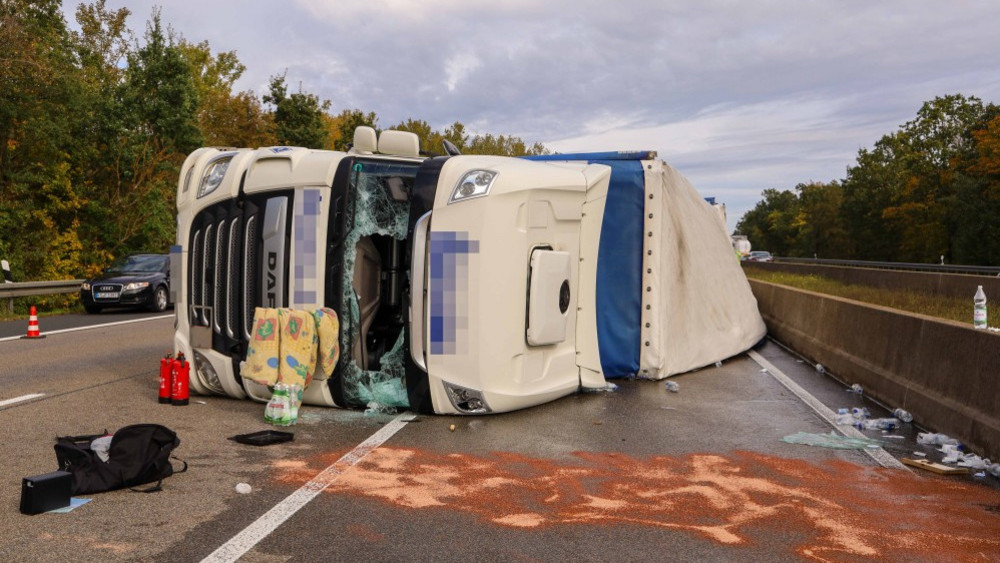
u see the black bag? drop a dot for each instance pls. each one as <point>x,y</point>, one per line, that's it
<point>138,454</point>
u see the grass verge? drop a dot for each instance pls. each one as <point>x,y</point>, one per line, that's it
<point>954,309</point>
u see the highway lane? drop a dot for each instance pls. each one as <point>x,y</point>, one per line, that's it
<point>11,329</point>
<point>637,473</point>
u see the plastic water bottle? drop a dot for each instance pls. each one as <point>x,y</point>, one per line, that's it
<point>880,424</point>
<point>902,415</point>
<point>979,309</point>
<point>933,439</point>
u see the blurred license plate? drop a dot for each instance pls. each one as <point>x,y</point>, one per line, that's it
<point>105,295</point>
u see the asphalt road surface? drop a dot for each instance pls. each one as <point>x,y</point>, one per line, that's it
<point>638,473</point>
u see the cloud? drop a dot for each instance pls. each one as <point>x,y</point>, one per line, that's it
<point>739,96</point>
<point>458,67</point>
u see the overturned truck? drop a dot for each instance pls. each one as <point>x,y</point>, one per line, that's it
<point>462,284</point>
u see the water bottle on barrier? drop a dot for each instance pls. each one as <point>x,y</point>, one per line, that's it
<point>902,415</point>
<point>979,309</point>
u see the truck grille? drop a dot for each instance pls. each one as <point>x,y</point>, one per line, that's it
<point>222,261</point>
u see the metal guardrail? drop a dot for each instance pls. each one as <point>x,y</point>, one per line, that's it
<point>32,289</point>
<point>911,266</point>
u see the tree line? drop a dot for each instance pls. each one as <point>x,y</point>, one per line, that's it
<point>95,124</point>
<point>929,190</point>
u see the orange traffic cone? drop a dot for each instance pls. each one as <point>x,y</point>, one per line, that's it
<point>33,325</point>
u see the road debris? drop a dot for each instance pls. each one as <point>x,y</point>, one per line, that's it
<point>831,440</point>
<point>934,467</point>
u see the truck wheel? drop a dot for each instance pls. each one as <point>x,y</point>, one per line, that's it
<point>159,303</point>
<point>92,309</point>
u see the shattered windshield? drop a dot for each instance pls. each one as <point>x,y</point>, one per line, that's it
<point>381,207</point>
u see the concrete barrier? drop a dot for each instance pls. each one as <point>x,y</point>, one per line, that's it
<point>947,374</point>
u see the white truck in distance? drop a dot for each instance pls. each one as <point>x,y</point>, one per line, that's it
<point>463,284</point>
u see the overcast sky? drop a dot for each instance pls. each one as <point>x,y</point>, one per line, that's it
<point>739,95</point>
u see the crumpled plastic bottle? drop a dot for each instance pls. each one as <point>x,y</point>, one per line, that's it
<point>932,439</point>
<point>903,415</point>
<point>879,424</point>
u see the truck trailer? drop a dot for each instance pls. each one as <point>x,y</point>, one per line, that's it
<point>462,284</point>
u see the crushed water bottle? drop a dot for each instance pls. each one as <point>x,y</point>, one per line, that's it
<point>979,309</point>
<point>856,388</point>
<point>673,387</point>
<point>902,415</point>
<point>845,418</point>
<point>994,470</point>
<point>880,424</point>
<point>932,439</point>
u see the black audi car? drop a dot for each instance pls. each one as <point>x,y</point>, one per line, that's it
<point>139,280</point>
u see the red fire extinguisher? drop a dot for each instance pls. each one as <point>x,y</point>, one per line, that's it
<point>180,394</point>
<point>166,378</point>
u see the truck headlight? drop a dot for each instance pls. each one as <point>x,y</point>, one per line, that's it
<point>214,174</point>
<point>465,400</point>
<point>207,374</point>
<point>474,183</point>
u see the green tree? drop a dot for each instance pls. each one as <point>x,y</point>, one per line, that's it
<point>898,197</point>
<point>150,130</point>
<point>39,105</point>
<point>226,118</point>
<point>342,126</point>
<point>502,145</point>
<point>771,224</point>
<point>976,208</point>
<point>818,224</point>
<point>298,117</point>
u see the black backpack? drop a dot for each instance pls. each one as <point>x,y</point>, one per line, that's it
<point>138,454</point>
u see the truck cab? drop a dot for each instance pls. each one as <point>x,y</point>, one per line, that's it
<point>456,280</point>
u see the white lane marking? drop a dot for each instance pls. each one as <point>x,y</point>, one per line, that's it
<point>21,399</point>
<point>270,520</point>
<point>882,457</point>
<point>88,327</point>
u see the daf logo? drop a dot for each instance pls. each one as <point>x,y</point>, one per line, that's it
<point>272,279</point>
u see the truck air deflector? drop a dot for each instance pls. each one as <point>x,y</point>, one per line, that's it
<point>619,263</point>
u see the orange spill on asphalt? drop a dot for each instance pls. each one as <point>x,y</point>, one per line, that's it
<point>841,509</point>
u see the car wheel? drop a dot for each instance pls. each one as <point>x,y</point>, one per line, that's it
<point>92,309</point>
<point>159,303</point>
